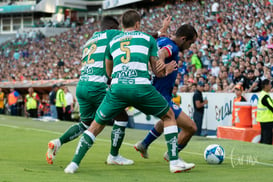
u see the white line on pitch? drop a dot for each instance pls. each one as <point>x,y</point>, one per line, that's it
<point>108,141</point>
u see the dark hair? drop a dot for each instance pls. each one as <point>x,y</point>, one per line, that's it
<point>247,37</point>
<point>108,22</point>
<point>186,30</point>
<point>250,71</point>
<point>265,82</point>
<point>262,64</point>
<point>129,18</point>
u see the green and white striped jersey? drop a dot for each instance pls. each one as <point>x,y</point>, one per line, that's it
<point>93,58</point>
<point>131,52</point>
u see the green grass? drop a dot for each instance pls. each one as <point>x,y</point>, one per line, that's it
<point>23,144</point>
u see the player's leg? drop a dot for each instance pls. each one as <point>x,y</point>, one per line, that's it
<point>117,136</point>
<point>151,102</point>
<point>188,129</point>
<point>88,103</point>
<point>109,108</point>
<point>154,133</point>
<point>187,126</point>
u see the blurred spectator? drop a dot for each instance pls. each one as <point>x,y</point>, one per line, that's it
<point>12,101</point>
<point>206,59</point>
<point>254,82</point>
<point>195,60</point>
<point>238,79</point>
<point>52,101</point>
<point>236,34</point>
<point>44,109</point>
<point>2,99</point>
<point>69,104</point>
<point>238,98</point>
<point>31,103</point>
<point>176,98</point>
<point>60,102</point>
<point>198,105</point>
<point>265,112</point>
<point>215,69</point>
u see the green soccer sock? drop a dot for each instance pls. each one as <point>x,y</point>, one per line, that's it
<point>117,136</point>
<point>84,145</point>
<point>170,133</point>
<point>73,132</point>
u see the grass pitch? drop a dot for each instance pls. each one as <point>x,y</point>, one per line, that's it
<point>23,144</point>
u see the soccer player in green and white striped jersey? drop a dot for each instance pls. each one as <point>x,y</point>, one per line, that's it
<point>90,92</point>
<point>129,53</point>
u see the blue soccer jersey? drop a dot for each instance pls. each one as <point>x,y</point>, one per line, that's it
<point>165,85</point>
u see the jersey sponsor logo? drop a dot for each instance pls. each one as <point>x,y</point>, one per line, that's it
<point>127,73</point>
<point>87,70</point>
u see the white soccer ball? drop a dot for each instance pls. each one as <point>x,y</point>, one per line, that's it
<point>214,154</point>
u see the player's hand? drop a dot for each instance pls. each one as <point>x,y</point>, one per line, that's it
<point>167,21</point>
<point>160,65</point>
<point>170,67</point>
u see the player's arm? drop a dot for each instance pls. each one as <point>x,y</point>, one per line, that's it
<point>164,53</point>
<point>163,31</point>
<point>165,26</point>
<point>159,68</point>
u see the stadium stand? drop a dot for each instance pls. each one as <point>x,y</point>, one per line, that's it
<point>235,45</point>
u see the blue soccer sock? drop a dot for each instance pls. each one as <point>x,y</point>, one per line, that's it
<point>181,146</point>
<point>150,137</point>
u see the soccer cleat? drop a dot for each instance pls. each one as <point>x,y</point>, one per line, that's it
<point>166,158</point>
<point>71,168</point>
<point>118,160</point>
<point>53,147</point>
<point>143,150</point>
<point>180,166</point>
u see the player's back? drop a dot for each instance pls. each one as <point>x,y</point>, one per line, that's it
<point>131,52</point>
<point>165,84</point>
<point>93,59</point>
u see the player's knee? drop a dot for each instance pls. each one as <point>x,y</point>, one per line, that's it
<point>159,126</point>
<point>122,116</point>
<point>168,116</point>
<point>86,124</point>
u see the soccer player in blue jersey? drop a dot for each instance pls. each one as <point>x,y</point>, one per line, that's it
<point>169,49</point>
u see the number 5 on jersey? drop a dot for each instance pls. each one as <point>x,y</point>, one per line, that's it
<point>126,50</point>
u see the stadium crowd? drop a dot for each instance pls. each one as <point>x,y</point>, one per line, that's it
<point>234,45</point>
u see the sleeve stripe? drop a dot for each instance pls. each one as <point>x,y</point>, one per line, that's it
<point>169,50</point>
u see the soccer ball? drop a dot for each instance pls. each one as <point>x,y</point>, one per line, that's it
<point>214,154</point>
